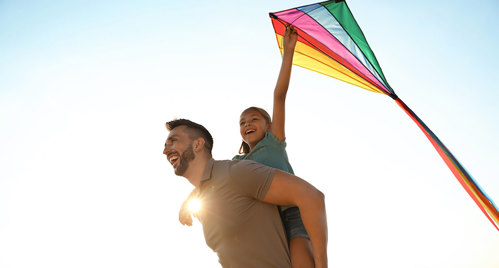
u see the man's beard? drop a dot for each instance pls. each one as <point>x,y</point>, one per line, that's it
<point>186,157</point>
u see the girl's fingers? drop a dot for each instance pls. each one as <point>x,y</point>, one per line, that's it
<point>290,30</point>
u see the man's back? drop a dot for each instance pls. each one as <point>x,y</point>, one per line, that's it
<point>238,226</point>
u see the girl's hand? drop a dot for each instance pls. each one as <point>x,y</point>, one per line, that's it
<point>290,38</point>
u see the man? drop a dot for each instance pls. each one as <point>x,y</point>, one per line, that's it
<point>239,216</point>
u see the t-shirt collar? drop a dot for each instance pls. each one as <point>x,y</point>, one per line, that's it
<point>207,170</point>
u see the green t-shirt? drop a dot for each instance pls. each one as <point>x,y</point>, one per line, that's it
<point>269,151</point>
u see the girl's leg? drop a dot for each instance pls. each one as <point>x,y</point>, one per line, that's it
<point>300,250</point>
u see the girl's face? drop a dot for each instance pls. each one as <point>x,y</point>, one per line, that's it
<point>253,127</point>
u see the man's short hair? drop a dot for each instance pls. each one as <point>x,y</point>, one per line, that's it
<point>195,131</point>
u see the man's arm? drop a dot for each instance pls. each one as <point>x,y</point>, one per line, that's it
<point>287,189</point>
<point>184,215</point>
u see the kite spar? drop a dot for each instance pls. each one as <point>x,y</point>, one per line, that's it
<point>331,42</point>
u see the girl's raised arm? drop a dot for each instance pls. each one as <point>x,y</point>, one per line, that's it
<point>281,87</point>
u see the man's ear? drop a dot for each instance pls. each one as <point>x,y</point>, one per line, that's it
<point>198,145</point>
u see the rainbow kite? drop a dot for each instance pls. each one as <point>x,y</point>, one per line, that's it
<point>331,42</point>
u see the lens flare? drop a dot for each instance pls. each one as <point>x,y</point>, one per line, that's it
<point>194,205</point>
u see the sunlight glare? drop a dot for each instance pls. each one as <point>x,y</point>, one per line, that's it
<point>194,205</point>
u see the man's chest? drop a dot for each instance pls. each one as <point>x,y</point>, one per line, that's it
<point>224,210</point>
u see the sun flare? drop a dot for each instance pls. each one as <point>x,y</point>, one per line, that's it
<point>194,205</point>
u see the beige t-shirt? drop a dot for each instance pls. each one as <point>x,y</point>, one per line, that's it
<point>238,226</point>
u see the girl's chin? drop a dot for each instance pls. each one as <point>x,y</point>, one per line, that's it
<point>252,143</point>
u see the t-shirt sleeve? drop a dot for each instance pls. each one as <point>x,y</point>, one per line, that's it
<point>251,178</point>
<point>271,139</point>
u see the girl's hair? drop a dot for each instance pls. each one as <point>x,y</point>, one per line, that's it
<point>244,149</point>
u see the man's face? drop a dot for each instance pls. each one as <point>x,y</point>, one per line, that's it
<point>178,150</point>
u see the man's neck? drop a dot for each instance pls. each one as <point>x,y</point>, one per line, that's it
<point>196,169</point>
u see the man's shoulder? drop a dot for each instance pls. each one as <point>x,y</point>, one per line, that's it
<point>237,167</point>
<point>239,157</point>
<point>235,163</point>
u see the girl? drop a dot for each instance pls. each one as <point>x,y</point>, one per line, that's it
<point>264,142</point>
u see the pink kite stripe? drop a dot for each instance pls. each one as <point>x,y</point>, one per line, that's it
<point>310,26</point>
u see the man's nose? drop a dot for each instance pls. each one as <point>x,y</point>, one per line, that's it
<point>167,146</point>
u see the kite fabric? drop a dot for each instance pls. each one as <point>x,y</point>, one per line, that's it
<point>331,42</point>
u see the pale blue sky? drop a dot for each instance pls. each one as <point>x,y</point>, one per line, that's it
<point>86,86</point>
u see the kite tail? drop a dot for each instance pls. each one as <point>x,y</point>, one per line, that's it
<point>481,199</point>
